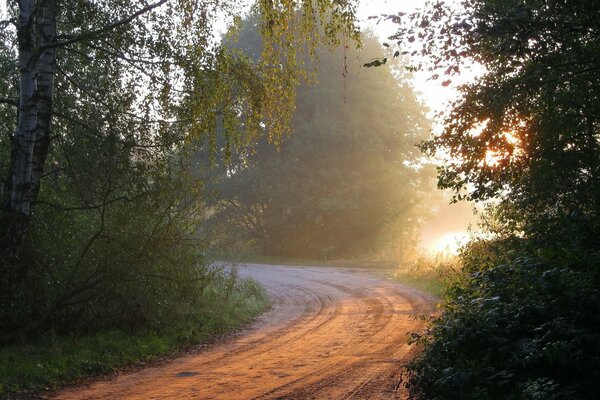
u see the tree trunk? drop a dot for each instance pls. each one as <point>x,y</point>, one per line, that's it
<point>36,33</point>
<point>36,29</point>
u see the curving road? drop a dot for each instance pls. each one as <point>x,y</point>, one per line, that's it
<point>331,334</point>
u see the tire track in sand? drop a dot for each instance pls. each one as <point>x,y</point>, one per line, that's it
<point>332,333</point>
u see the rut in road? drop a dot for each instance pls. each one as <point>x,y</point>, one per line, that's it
<point>332,334</point>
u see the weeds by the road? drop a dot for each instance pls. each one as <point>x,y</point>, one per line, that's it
<point>54,361</point>
<point>427,274</point>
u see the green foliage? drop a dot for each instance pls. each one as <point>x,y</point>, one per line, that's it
<point>58,360</point>
<point>521,321</point>
<point>344,185</point>
<point>113,240</point>
<point>525,327</point>
<point>114,221</point>
<point>535,108</point>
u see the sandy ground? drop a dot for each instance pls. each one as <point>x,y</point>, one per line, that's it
<point>331,334</point>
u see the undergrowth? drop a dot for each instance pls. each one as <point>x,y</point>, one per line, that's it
<point>53,361</point>
<point>519,322</point>
<point>428,274</point>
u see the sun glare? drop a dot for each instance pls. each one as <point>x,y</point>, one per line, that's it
<point>493,156</point>
<point>449,243</point>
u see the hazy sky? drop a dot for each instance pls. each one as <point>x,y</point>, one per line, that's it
<point>447,230</point>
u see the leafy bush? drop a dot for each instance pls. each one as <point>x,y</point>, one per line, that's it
<point>112,243</point>
<point>522,323</point>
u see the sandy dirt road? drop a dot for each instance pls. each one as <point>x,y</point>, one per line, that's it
<point>331,334</point>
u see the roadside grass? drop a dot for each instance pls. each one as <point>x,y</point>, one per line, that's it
<point>428,274</point>
<point>56,361</point>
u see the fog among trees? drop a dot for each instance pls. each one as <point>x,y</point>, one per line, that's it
<point>348,181</point>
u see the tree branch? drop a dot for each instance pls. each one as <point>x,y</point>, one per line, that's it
<point>11,102</point>
<point>116,24</point>
<point>7,22</point>
<point>87,207</point>
<point>96,97</point>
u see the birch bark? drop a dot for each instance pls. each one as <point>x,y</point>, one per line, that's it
<point>36,29</point>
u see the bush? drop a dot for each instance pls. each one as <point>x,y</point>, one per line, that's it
<point>113,244</point>
<point>520,322</point>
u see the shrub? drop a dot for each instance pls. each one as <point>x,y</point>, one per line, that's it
<point>520,322</point>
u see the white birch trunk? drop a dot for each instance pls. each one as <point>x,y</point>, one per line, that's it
<point>36,29</point>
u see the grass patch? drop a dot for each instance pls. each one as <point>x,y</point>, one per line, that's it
<point>426,274</point>
<point>430,283</point>
<point>56,361</point>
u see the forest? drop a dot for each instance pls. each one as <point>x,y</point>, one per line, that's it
<point>144,145</point>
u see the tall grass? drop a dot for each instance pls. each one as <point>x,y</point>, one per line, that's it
<point>427,273</point>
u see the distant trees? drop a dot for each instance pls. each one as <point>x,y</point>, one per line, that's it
<point>346,183</point>
<point>100,103</point>
<point>524,135</point>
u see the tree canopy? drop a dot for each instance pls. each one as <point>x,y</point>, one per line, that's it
<point>346,183</point>
<point>101,103</point>
<point>527,130</point>
<point>522,137</point>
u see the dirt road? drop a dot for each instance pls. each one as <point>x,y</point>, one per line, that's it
<point>332,334</point>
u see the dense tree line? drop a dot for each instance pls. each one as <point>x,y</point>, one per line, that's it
<point>347,182</point>
<point>100,104</point>
<point>521,320</point>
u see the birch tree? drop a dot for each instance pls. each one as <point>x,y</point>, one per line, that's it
<point>140,80</point>
<point>157,31</point>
